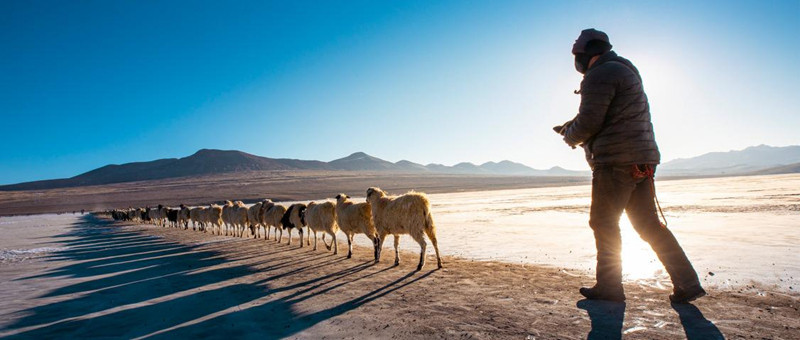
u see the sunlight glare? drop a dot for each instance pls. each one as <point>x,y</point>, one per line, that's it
<point>639,262</point>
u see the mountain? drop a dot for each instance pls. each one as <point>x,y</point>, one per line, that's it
<point>203,162</point>
<point>745,161</point>
<point>209,162</point>
<point>362,161</point>
<point>409,166</point>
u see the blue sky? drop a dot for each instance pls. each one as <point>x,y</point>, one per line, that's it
<point>89,83</point>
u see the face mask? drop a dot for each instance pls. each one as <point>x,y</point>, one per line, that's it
<point>582,62</point>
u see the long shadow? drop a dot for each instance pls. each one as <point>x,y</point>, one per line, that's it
<point>695,324</point>
<point>606,316</point>
<point>285,325</point>
<point>135,285</point>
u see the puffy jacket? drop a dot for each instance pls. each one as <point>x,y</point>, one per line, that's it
<point>613,122</point>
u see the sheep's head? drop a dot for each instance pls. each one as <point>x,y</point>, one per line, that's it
<point>375,192</point>
<point>341,198</point>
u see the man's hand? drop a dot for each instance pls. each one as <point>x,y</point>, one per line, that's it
<point>562,129</point>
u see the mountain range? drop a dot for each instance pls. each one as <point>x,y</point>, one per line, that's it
<point>209,162</point>
<point>760,159</point>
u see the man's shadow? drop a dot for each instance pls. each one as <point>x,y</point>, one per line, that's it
<point>695,324</point>
<point>606,318</point>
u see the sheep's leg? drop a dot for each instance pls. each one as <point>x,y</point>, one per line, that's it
<point>289,231</point>
<point>432,235</point>
<point>381,239</point>
<point>422,247</point>
<point>375,245</point>
<point>326,242</point>
<point>335,245</point>
<point>396,250</point>
<point>350,247</point>
<point>315,239</point>
<point>279,237</point>
<point>300,230</point>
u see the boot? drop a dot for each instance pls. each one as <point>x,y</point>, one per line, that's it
<point>686,295</point>
<point>615,294</point>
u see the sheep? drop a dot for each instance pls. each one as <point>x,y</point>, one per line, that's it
<point>273,217</point>
<point>322,217</point>
<point>158,215</point>
<point>266,205</point>
<point>183,217</point>
<point>213,218</point>
<point>227,211</point>
<point>198,217</point>
<point>131,214</point>
<point>172,217</point>
<point>254,217</point>
<point>406,214</point>
<point>355,218</point>
<point>146,214</point>
<point>294,218</point>
<point>239,218</point>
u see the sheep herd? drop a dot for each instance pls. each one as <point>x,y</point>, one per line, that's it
<point>381,215</point>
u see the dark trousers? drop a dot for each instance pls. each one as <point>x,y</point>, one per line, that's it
<point>614,189</point>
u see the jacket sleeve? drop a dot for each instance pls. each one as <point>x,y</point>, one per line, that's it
<point>597,90</point>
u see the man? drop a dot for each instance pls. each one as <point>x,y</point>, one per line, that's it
<point>613,127</point>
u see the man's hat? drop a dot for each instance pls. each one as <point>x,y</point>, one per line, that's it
<point>586,36</point>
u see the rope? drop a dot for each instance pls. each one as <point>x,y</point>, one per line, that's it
<point>649,172</point>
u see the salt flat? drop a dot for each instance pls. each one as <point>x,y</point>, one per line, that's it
<point>514,260</point>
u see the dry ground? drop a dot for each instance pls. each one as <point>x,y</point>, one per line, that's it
<point>125,280</point>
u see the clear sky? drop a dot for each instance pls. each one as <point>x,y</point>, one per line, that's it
<point>88,83</point>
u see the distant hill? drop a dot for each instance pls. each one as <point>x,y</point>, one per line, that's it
<point>784,169</point>
<point>209,162</point>
<point>749,160</point>
<point>362,161</point>
<point>203,162</point>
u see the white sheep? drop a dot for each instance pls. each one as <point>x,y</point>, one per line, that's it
<point>405,214</point>
<point>355,218</point>
<point>254,218</point>
<point>294,218</point>
<point>197,215</point>
<point>227,217</point>
<point>321,217</point>
<point>266,205</point>
<point>239,218</point>
<point>213,218</point>
<point>273,217</point>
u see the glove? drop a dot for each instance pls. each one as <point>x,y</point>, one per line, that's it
<point>562,129</point>
<point>571,142</point>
